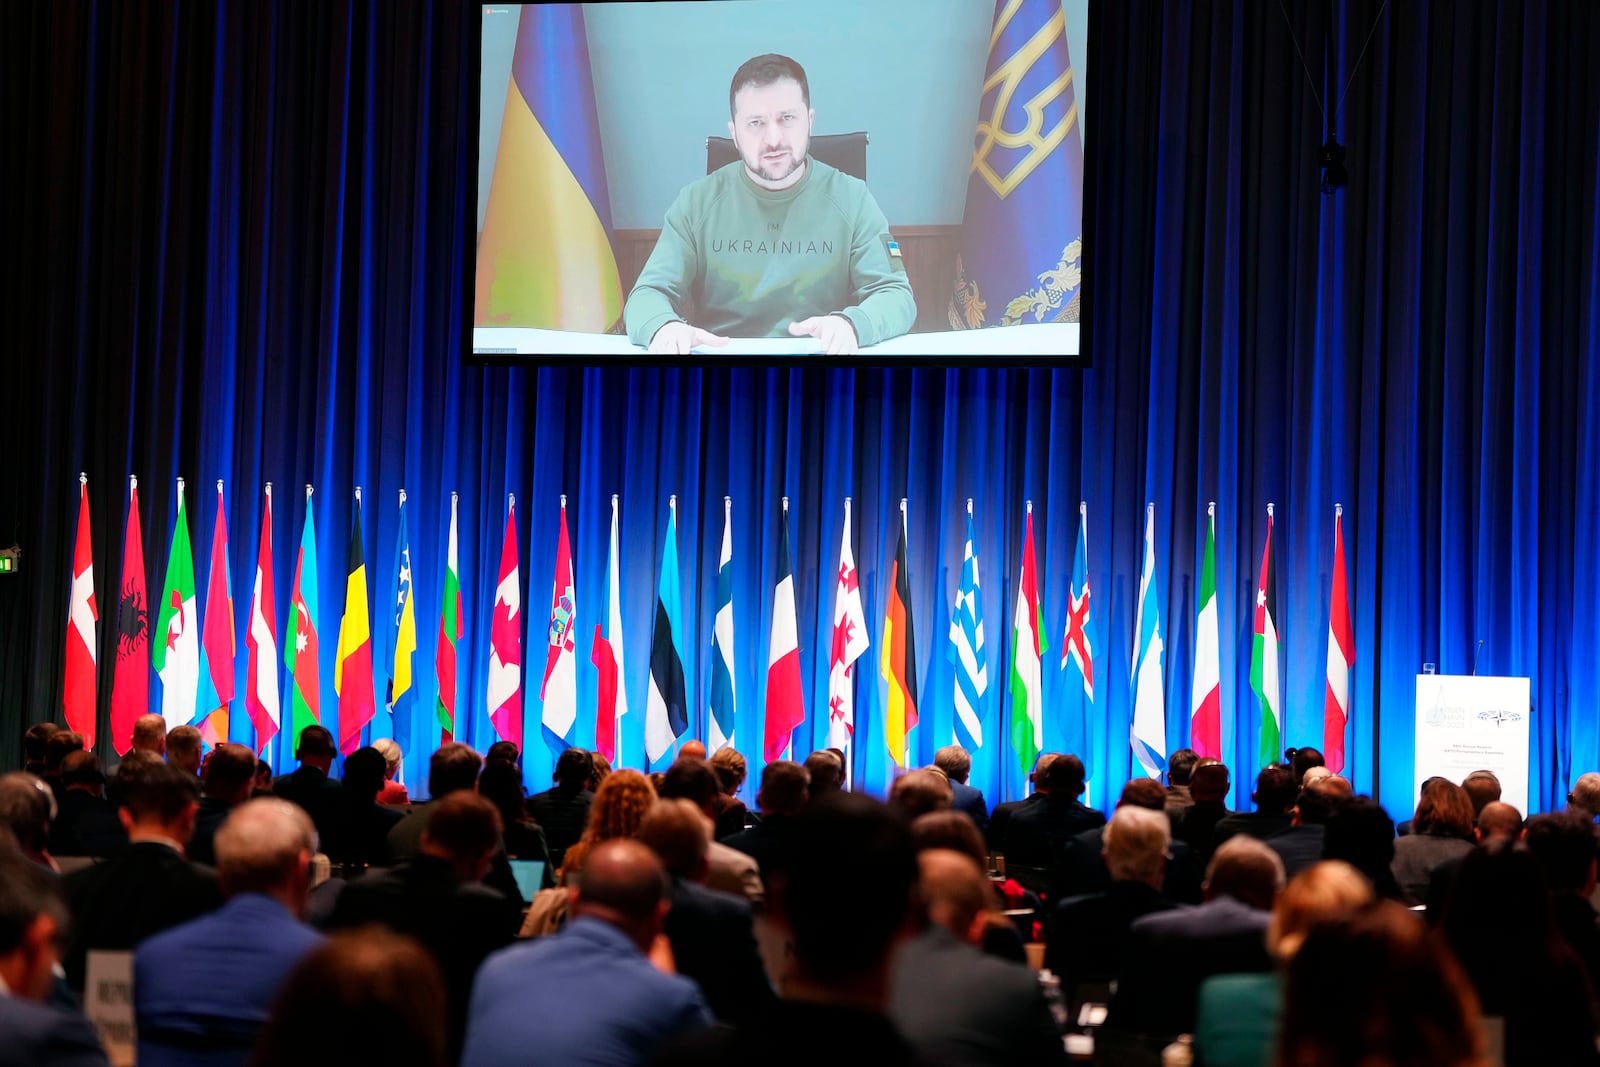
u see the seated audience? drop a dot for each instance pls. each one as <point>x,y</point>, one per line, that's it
<point>1000,817</point>
<point>311,787</point>
<point>785,788</point>
<point>437,897</point>
<point>1361,834</point>
<point>1302,760</point>
<point>86,822</point>
<point>27,807</point>
<point>1083,867</point>
<point>369,997</point>
<point>1180,772</point>
<point>563,810</point>
<point>731,870</point>
<point>501,785</point>
<point>1404,827</point>
<point>620,805</point>
<point>1562,844</point>
<point>452,768</point>
<point>57,747</point>
<point>1301,845</point>
<point>826,770</point>
<point>183,749</point>
<point>505,752</point>
<point>1381,966</point>
<point>394,790</point>
<point>227,782</point>
<point>731,770</point>
<point>149,886</point>
<point>366,822</point>
<point>955,1003</point>
<point>1274,797</point>
<point>1442,830</point>
<point>1496,822</point>
<point>956,763</point>
<point>263,784</point>
<point>712,933</point>
<point>1040,827</point>
<point>1237,1015</point>
<point>602,768</point>
<point>1585,796</point>
<point>1196,825</point>
<point>952,830</point>
<point>150,735</point>
<point>1483,788</point>
<point>33,746</point>
<point>917,793</point>
<point>33,923</point>
<point>202,989</point>
<point>589,994</point>
<point>1170,953</point>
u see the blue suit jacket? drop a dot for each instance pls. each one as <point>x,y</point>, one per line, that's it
<point>970,800</point>
<point>38,1035</point>
<point>584,996</point>
<point>201,990</point>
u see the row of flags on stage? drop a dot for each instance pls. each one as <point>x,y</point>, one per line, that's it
<point>195,659</point>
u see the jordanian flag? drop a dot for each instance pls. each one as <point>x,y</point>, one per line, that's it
<point>176,649</point>
<point>1027,646</point>
<point>1264,655</point>
<point>1205,723</point>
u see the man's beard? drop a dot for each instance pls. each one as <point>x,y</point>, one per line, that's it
<point>776,171</point>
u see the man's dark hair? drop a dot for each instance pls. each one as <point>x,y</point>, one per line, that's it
<point>1483,788</point>
<point>82,768</point>
<point>1563,844</point>
<point>1064,775</point>
<point>227,769</point>
<point>1210,781</point>
<point>364,771</point>
<point>156,790</point>
<point>955,762</point>
<point>501,785</point>
<point>1319,800</point>
<point>764,70</point>
<point>1303,760</point>
<point>1275,789</point>
<point>1180,766</point>
<point>1361,833</point>
<point>827,772</point>
<point>27,891</point>
<point>784,787</point>
<point>25,802</point>
<point>314,741</point>
<point>1144,792</point>
<point>574,768</point>
<point>503,752</point>
<point>58,745</point>
<point>464,824</point>
<point>452,768</point>
<point>691,779</point>
<point>840,844</point>
<point>33,742</point>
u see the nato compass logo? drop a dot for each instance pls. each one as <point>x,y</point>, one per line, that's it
<point>1499,717</point>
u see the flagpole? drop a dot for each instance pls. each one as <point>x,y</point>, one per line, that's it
<point>788,748</point>
<point>402,498</point>
<point>616,722</point>
<point>358,494</point>
<point>308,494</point>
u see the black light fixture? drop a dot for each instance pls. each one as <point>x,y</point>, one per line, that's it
<point>1334,174</point>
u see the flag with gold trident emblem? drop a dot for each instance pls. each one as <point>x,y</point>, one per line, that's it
<point>1020,256</point>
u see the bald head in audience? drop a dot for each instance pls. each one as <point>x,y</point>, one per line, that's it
<point>955,893</point>
<point>919,792</point>
<point>1498,821</point>
<point>692,750</point>
<point>150,735</point>
<point>183,749</point>
<point>1144,793</point>
<point>622,884</point>
<point>827,771</point>
<point>265,846</point>
<point>1246,870</point>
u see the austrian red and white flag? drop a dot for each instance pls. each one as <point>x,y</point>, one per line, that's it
<point>849,642</point>
<point>606,654</point>
<point>261,642</point>
<point>560,688</point>
<point>1341,656</point>
<point>505,639</point>
<point>785,705</point>
<point>78,694</point>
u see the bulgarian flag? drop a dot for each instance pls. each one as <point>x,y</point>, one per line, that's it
<point>1264,656</point>
<point>217,637</point>
<point>1205,723</point>
<point>176,651</point>
<point>444,656</point>
<point>1341,655</point>
<point>77,696</point>
<point>352,670</point>
<point>1027,646</point>
<point>300,642</point>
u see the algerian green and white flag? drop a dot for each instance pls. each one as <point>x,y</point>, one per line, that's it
<point>175,642</point>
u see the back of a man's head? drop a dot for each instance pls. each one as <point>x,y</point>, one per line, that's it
<point>692,749</point>
<point>952,830</point>
<point>364,772</point>
<point>503,752</point>
<point>845,848</point>
<point>785,786</point>
<point>183,748</point>
<point>314,746</point>
<point>1303,760</point>
<point>955,892</point>
<point>955,762</point>
<point>463,828</point>
<point>1210,782</point>
<point>1499,821</point>
<point>265,846</point>
<point>1483,787</point>
<point>1246,870</point>
<point>33,921</point>
<point>1180,766</point>
<point>1319,800</point>
<point>1563,844</point>
<point>82,769</point>
<point>150,735</point>
<point>1135,844</point>
<point>1064,776</point>
<point>1143,793</point>
<point>1276,791</point>
<point>574,768</point>
<point>230,774</point>
<point>452,768</point>
<point>58,746</point>
<point>624,884</point>
<point>678,832</point>
<point>826,770</point>
<point>692,780</point>
<point>158,797</point>
<point>26,804</point>
<point>1361,834</point>
<point>33,742</point>
<point>919,793</point>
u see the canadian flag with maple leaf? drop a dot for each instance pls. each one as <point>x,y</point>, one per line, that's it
<point>849,642</point>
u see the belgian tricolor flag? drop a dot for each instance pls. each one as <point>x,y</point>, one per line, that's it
<point>352,671</point>
<point>899,658</point>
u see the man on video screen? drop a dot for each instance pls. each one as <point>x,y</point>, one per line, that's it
<point>777,245</point>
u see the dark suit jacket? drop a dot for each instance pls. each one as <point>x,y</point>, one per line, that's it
<point>957,1005</point>
<point>714,942</point>
<point>1257,824</point>
<point>768,841</point>
<point>458,923</point>
<point>1170,954</point>
<point>999,822</point>
<point>403,841</point>
<point>1087,936</point>
<point>562,813</point>
<point>787,1037</point>
<point>366,825</point>
<point>1083,870</point>
<point>145,889</point>
<point>1196,826</point>
<point>1040,827</point>
<point>86,825</point>
<point>38,1035</point>
<point>731,813</point>
<point>965,798</point>
<point>323,800</point>
<point>202,843</point>
<point>1299,847</point>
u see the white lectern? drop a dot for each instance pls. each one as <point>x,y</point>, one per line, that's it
<point>1467,723</point>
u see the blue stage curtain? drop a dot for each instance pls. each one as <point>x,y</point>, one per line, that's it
<point>240,229</point>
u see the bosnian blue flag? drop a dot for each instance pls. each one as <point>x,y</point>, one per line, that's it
<point>1023,227</point>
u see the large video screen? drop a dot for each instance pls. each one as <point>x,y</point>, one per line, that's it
<point>781,178</point>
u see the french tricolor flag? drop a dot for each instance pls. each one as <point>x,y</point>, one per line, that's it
<point>785,704</point>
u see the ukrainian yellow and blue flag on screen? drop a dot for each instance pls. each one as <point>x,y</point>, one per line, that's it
<point>545,257</point>
<point>1023,226</point>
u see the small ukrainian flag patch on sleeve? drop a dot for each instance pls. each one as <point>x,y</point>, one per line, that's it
<point>891,247</point>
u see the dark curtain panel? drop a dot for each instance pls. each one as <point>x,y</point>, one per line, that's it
<point>235,236</point>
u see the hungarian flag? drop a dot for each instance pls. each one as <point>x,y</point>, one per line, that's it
<point>1341,656</point>
<point>505,639</point>
<point>261,642</point>
<point>176,655</point>
<point>848,644</point>
<point>400,636</point>
<point>1078,643</point>
<point>559,691</point>
<point>785,703</point>
<point>1264,656</point>
<point>1028,645</point>
<point>607,654</point>
<point>1205,722</point>
<point>898,662</point>
<point>721,720</point>
<point>217,638</point>
<point>300,653</point>
<point>1149,734</point>
<point>77,697</point>
<point>130,690</point>
<point>444,655</point>
<point>666,712</point>
<point>352,670</point>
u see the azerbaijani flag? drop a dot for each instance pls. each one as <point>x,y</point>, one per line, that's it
<point>1205,722</point>
<point>176,649</point>
<point>444,655</point>
<point>352,670</point>
<point>898,662</point>
<point>1028,645</point>
<point>217,637</point>
<point>544,257</point>
<point>300,642</point>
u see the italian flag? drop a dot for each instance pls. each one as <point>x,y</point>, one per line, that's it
<point>1027,646</point>
<point>1264,656</point>
<point>1205,723</point>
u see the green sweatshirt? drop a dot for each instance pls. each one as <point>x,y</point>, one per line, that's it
<point>743,261</point>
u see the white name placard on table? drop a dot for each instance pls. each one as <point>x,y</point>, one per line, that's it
<point>1468,723</point>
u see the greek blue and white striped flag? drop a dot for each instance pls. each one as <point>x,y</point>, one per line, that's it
<point>966,650</point>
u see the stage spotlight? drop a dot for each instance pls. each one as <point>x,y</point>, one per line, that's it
<point>1334,174</point>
